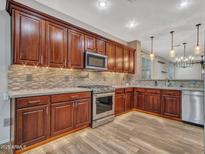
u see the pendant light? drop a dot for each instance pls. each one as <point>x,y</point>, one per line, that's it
<point>152,53</point>
<point>172,52</point>
<point>198,48</point>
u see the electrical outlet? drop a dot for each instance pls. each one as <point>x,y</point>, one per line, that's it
<point>7,122</point>
<point>29,77</point>
<point>5,97</point>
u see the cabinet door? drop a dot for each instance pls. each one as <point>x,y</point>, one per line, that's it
<point>128,101</point>
<point>32,125</point>
<point>139,100</point>
<point>132,61</point>
<point>152,103</point>
<point>110,52</point>
<point>82,113</point>
<point>119,59</point>
<point>126,60</point>
<point>119,103</point>
<point>101,46</point>
<point>62,117</point>
<point>29,36</point>
<point>171,106</point>
<point>90,43</point>
<point>56,45</point>
<point>76,49</point>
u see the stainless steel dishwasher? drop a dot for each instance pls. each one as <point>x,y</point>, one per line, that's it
<point>193,107</point>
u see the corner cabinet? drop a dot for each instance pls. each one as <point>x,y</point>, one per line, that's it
<point>41,117</point>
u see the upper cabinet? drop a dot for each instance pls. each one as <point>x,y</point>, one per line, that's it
<point>56,45</point>
<point>76,49</point>
<point>43,40</point>
<point>110,52</point>
<point>132,61</point>
<point>90,43</point>
<point>101,46</point>
<point>119,59</point>
<point>126,60</point>
<point>28,36</point>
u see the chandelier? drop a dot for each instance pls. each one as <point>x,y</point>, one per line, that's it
<point>184,61</point>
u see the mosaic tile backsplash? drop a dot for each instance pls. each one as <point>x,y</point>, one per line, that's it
<point>29,77</point>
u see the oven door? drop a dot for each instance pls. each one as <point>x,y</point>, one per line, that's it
<point>95,61</point>
<point>103,105</point>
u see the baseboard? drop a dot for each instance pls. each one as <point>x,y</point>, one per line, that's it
<point>4,141</point>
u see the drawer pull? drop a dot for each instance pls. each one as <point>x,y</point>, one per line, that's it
<point>33,102</point>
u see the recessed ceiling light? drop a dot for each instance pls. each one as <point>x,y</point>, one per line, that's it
<point>132,24</point>
<point>103,4</point>
<point>184,4</point>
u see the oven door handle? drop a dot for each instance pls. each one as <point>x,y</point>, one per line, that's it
<point>103,95</point>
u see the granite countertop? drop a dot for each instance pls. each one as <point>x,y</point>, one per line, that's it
<point>158,87</point>
<point>40,92</point>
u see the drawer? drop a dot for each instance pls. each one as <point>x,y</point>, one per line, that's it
<point>69,97</point>
<point>32,101</point>
<point>153,91</point>
<point>139,90</point>
<point>119,90</point>
<point>171,92</point>
<point>127,90</point>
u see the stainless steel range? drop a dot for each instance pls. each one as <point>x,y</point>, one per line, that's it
<point>103,104</point>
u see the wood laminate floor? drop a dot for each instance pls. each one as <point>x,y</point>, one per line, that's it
<point>132,133</point>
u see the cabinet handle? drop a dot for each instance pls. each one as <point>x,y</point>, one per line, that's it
<point>32,102</point>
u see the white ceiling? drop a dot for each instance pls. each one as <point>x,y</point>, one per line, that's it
<point>155,17</point>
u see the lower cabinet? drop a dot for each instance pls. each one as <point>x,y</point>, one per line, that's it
<point>32,125</point>
<point>82,113</point>
<point>119,103</point>
<point>62,117</point>
<point>37,118</point>
<point>166,103</point>
<point>171,104</point>
<point>124,100</point>
<point>152,102</point>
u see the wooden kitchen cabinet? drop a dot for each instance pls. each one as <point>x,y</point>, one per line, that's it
<point>129,102</point>
<point>119,103</point>
<point>132,61</point>
<point>32,125</point>
<point>76,49</point>
<point>28,38</point>
<point>139,98</point>
<point>39,117</point>
<point>152,101</point>
<point>119,59</point>
<point>56,45</point>
<point>43,40</point>
<point>62,117</point>
<point>110,52</point>
<point>171,103</point>
<point>101,46</point>
<point>82,113</point>
<point>126,60</point>
<point>90,43</point>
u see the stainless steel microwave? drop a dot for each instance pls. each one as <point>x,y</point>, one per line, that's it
<point>95,61</point>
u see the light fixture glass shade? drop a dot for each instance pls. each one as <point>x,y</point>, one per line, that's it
<point>198,50</point>
<point>172,53</point>
<point>152,56</point>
